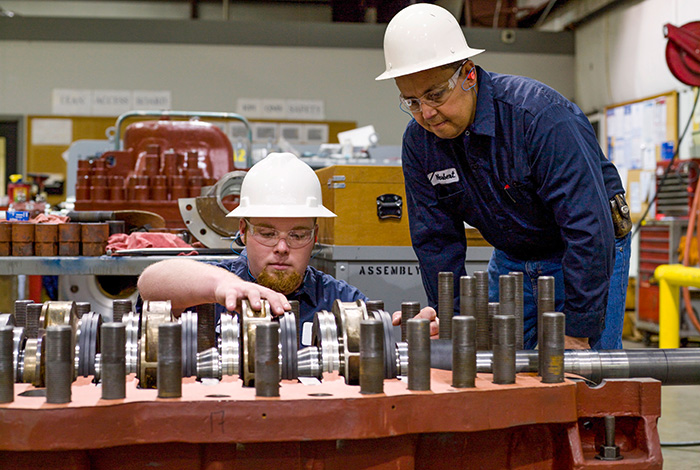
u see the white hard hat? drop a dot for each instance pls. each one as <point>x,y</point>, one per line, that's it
<point>281,185</point>
<point>420,37</point>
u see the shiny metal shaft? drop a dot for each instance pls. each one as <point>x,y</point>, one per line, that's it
<point>552,366</point>
<point>418,354</point>
<point>545,303</point>
<point>503,349</point>
<point>7,372</point>
<point>267,366</point>
<point>169,360</point>
<point>408,311</point>
<point>519,310</point>
<point>446,303</point>
<point>467,295</point>
<point>463,351</point>
<point>371,357</point>
<point>483,339</point>
<point>113,360</point>
<point>506,294</point>
<point>59,364</point>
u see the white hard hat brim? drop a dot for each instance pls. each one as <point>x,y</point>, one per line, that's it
<point>274,212</point>
<point>415,68</point>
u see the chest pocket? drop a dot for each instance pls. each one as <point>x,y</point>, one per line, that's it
<point>522,193</point>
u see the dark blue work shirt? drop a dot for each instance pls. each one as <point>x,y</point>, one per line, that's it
<point>318,291</point>
<point>529,174</point>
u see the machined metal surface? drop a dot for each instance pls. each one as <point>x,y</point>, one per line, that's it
<point>325,337</point>
<point>188,320</point>
<point>87,343</point>
<point>483,338</point>
<point>120,307</point>
<point>153,315</point>
<point>463,351</point>
<point>59,364</point>
<point>288,346</point>
<point>131,322</point>
<point>267,365</point>
<point>21,311</point>
<point>408,311</point>
<point>503,349</point>
<point>348,316</point>
<point>467,295</point>
<point>552,366</point>
<point>372,356</point>
<point>545,303</point>
<point>209,364</point>
<point>113,360</point>
<point>169,361</point>
<point>250,319</point>
<point>229,344</point>
<point>445,303</point>
<point>7,367</point>
<point>419,354</point>
<point>519,310</point>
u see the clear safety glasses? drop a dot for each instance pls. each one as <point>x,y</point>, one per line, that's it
<point>435,97</point>
<point>268,236</point>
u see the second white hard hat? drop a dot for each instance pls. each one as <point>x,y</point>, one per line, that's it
<point>281,185</point>
<point>420,37</point>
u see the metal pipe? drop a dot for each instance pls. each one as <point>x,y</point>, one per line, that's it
<point>670,278</point>
<point>669,366</point>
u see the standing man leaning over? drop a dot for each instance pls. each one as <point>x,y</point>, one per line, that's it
<point>518,161</point>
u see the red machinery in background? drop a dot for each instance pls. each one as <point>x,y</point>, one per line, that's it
<point>159,162</point>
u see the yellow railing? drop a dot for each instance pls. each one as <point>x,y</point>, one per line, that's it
<point>671,277</point>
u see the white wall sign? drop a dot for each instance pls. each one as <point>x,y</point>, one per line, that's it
<point>305,110</point>
<point>144,99</point>
<point>52,131</point>
<point>73,102</point>
<point>316,133</point>
<point>111,102</point>
<point>273,109</point>
<point>249,108</point>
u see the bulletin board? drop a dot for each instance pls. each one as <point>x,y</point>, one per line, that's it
<point>49,136</point>
<point>638,135</point>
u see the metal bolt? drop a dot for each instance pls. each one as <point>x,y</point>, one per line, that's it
<point>418,354</point>
<point>408,311</point>
<point>371,357</point>
<point>467,295</point>
<point>33,315</point>
<point>21,312</point>
<point>483,339</point>
<point>446,304</point>
<point>169,378</point>
<point>463,351</point>
<point>81,308</point>
<point>519,309</point>
<point>113,360</point>
<point>7,372</point>
<point>552,366</point>
<point>503,349</point>
<point>206,326</point>
<point>267,366</point>
<point>121,307</point>
<point>59,364</point>
<point>494,308</point>
<point>545,303</point>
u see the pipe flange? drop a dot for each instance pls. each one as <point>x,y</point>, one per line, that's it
<point>250,319</point>
<point>229,344</point>
<point>154,314</point>
<point>325,337</point>
<point>348,316</point>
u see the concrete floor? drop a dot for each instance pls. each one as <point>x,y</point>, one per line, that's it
<point>679,422</point>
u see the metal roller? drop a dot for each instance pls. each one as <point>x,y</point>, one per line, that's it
<point>669,366</point>
<point>228,344</point>
<point>325,337</point>
<point>131,321</point>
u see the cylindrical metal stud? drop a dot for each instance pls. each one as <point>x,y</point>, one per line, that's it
<point>494,308</point>
<point>463,351</point>
<point>169,378</point>
<point>267,367</point>
<point>483,338</point>
<point>81,308</point>
<point>418,354</point>
<point>446,299</point>
<point>503,349</point>
<point>120,307</point>
<point>545,303</point>
<point>519,309</point>
<point>374,305</point>
<point>113,360</point>
<point>371,357</point>
<point>408,311</point>
<point>59,364</point>
<point>506,294</point>
<point>552,366</point>
<point>467,296</point>
<point>206,327</point>
<point>7,375</point>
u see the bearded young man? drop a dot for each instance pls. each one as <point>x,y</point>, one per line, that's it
<point>280,202</point>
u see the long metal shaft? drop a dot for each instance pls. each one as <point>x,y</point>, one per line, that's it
<point>669,366</point>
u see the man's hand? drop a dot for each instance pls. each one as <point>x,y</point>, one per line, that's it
<point>571,342</point>
<point>427,313</point>
<point>231,292</point>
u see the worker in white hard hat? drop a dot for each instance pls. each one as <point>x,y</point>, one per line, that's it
<point>280,201</point>
<point>518,161</point>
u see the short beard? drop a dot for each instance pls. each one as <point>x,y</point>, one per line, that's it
<point>284,282</point>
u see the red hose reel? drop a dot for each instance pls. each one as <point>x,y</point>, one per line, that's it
<point>683,52</point>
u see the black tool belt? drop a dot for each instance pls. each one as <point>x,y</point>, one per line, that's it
<point>622,222</point>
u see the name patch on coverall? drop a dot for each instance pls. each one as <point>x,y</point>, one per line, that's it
<point>444,177</point>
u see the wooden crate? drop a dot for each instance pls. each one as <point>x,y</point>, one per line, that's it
<point>351,191</point>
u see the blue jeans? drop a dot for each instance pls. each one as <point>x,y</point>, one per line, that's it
<point>611,337</point>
